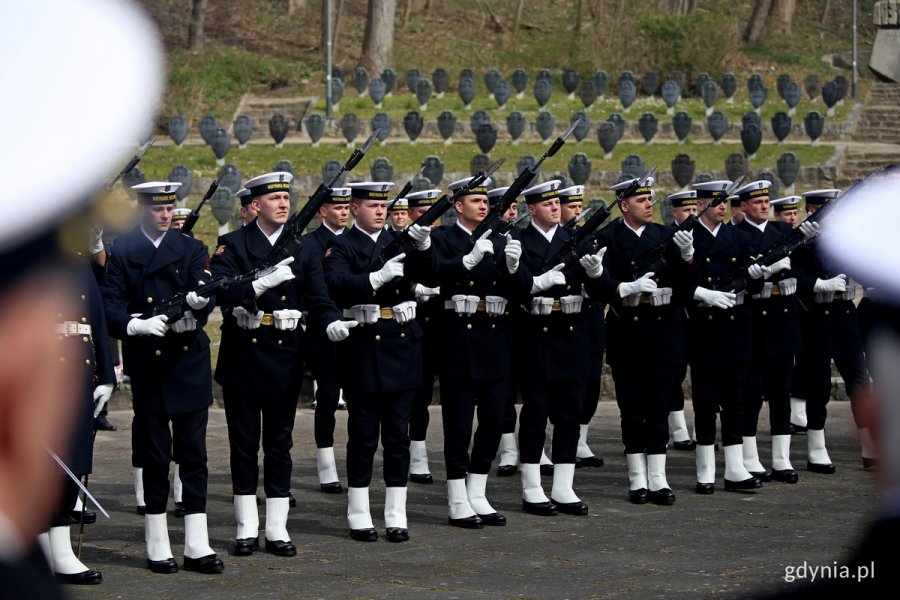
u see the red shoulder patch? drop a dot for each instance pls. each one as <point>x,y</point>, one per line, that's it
<point>328,253</point>
<point>220,250</point>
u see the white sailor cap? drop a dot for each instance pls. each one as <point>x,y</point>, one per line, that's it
<point>370,190</point>
<point>340,195</point>
<point>542,191</point>
<point>786,203</point>
<point>423,198</point>
<point>243,195</point>
<point>495,194</point>
<point>481,188</point>
<point>180,214</point>
<point>754,189</point>
<point>279,181</point>
<point>157,192</point>
<point>710,189</point>
<point>400,204</point>
<point>820,197</point>
<point>573,193</point>
<point>680,199</point>
<point>640,191</point>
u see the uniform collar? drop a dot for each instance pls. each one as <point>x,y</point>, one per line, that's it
<point>548,235</point>
<point>156,242</point>
<point>760,226</point>
<point>637,231</point>
<point>463,227</point>
<point>371,236</point>
<point>715,231</point>
<point>274,237</point>
<point>334,231</point>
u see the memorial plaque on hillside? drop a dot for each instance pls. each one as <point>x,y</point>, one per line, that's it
<point>648,125</point>
<point>230,177</point>
<point>583,128</point>
<point>220,144</point>
<point>788,168</point>
<point>479,163</point>
<point>479,117</point>
<point>587,92</point>
<point>755,80</point>
<point>768,175</point>
<point>413,124</point>
<point>389,77</point>
<point>527,162</point>
<point>751,117</point>
<point>781,125</point>
<point>735,166</point>
<point>350,127</point>
<point>422,184</point>
<point>813,85</point>
<point>208,126</point>
<point>542,92</point>
<point>519,80</point>
<point>383,124</point>
<point>703,177</point>
<point>515,125</point>
<point>337,92</point>
<point>710,94</point>
<point>423,93</point>
<point>792,95</point>
<point>182,175</point>
<point>570,81</point>
<point>830,96</point>
<point>757,97</point>
<point>287,167</point>
<point>608,137</point>
<point>360,80</point>
<point>683,167</point>
<point>781,83</point>
<point>243,129</point>
<point>699,82</point>
<point>223,204</point>
<point>545,124</point>
<point>178,129</point>
<point>633,166</point>
<point>751,138</point>
<point>717,125</point>
<point>486,137</point>
<point>433,170</point>
<point>729,86</point>
<point>377,91</point>
<point>337,74</point>
<point>446,123</point>
<point>650,83</point>
<point>680,78</point>
<point>670,94</point>
<point>619,121</point>
<point>627,75</point>
<point>467,73</point>
<point>491,77</point>
<point>601,82</point>
<point>133,177</point>
<point>814,125</point>
<point>579,168</point>
<point>382,169</point>
<point>412,79</point>
<point>544,75</point>
<point>627,93</point>
<point>467,91</point>
<point>441,80</point>
<point>842,86</point>
<point>315,127</point>
<point>681,125</point>
<point>502,92</point>
<point>329,170</point>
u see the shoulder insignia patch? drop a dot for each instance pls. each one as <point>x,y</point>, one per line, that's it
<point>328,253</point>
<point>220,250</point>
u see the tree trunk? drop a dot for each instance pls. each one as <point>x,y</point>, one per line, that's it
<point>756,24</point>
<point>579,16</point>
<point>336,25</point>
<point>825,11</point>
<point>784,9</point>
<point>296,6</point>
<point>195,28</point>
<point>518,20</point>
<point>406,12</point>
<point>378,39</point>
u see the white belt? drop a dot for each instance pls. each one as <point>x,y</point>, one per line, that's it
<point>73,328</point>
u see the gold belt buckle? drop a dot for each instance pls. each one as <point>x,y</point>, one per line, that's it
<point>267,320</point>
<point>386,313</point>
<point>556,307</point>
<point>481,306</point>
<point>645,299</point>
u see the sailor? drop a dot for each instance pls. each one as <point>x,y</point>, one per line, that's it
<point>737,215</point>
<point>247,208</point>
<point>399,215</point>
<point>787,210</point>
<point>179,216</point>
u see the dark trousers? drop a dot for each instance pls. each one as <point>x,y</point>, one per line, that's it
<point>70,492</point>
<point>852,368</point>
<point>247,416</point>
<point>509,412</point>
<point>188,439</point>
<point>718,389</point>
<point>677,390</point>
<point>769,380</point>
<point>418,422</point>
<point>137,442</point>
<point>591,397</point>
<point>328,393</point>
<point>644,397</point>
<point>559,401</point>
<point>459,398</point>
<point>374,414</point>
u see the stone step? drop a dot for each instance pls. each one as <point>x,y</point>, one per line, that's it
<point>260,110</point>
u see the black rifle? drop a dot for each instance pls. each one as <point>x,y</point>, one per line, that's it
<point>494,218</point>
<point>289,243</point>
<point>195,214</point>
<point>508,226</point>
<point>175,307</point>
<point>131,164</point>
<point>403,243</point>
<point>569,250</point>
<point>407,188</point>
<point>577,218</point>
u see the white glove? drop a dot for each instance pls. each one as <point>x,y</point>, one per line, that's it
<point>97,239</point>
<point>196,302</point>
<point>835,284</point>
<point>482,248</point>
<point>186,323</point>
<point>421,235</point>
<point>755,271</point>
<point>808,229</point>
<point>424,293</point>
<point>281,274</point>
<point>513,253</point>
<point>102,394</point>
<point>547,280</point>
<point>391,270</point>
<point>644,284</point>
<point>152,326</point>
<point>715,298</point>
<point>338,331</point>
<point>782,265</point>
<point>593,263</point>
<point>685,242</point>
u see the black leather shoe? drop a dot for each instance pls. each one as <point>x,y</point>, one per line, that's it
<point>331,488</point>
<point>281,548</point>
<point>571,508</point>
<point>764,476</point>
<point>869,464</point>
<point>103,424</point>
<point>421,478</point>
<point>209,564</point>
<point>541,509</point>
<point>166,566</point>
<point>663,497</point>
<point>546,469</point>
<point>141,509</point>
<point>90,517</point>
<point>493,519</point>
<point>89,577</point>
<point>685,445</point>
<point>364,535</point>
<point>705,488</point>
<point>820,468</point>
<point>292,502</point>
<point>258,501</point>
<point>588,463</point>
<point>472,522</point>
<point>246,546</point>
<point>738,486</point>
<point>798,429</point>
<point>638,496</point>
<point>179,511</point>
<point>785,475</point>
<point>507,470</point>
<point>397,535</point>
